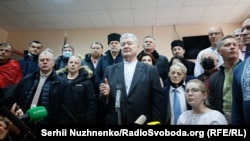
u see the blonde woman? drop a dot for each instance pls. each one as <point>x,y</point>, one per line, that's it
<point>201,114</point>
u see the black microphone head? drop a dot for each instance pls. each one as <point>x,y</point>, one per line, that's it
<point>14,119</point>
<point>24,117</point>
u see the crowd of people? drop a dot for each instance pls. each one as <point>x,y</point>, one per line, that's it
<point>116,87</point>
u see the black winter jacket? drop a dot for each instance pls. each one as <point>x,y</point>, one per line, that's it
<point>80,98</point>
<point>51,95</point>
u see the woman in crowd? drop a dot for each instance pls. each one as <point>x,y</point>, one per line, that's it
<point>148,58</point>
<point>196,95</point>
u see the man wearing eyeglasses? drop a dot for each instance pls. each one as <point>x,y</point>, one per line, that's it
<point>214,34</point>
<point>238,36</point>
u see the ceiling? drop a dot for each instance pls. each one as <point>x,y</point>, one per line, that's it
<point>37,15</point>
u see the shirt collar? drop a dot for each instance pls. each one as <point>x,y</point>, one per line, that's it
<point>130,63</point>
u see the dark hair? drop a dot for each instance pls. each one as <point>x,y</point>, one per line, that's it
<point>96,43</point>
<point>183,61</point>
<point>36,41</point>
<point>114,37</point>
<point>139,57</point>
<point>68,46</point>
<point>175,43</point>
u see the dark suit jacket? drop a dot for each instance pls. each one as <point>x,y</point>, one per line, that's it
<point>167,106</point>
<point>145,96</point>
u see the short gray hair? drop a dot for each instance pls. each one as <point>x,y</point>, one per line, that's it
<point>129,35</point>
<point>222,40</point>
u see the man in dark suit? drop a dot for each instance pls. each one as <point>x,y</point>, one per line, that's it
<point>131,88</point>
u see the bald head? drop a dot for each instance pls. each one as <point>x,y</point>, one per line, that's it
<point>215,28</point>
<point>214,34</point>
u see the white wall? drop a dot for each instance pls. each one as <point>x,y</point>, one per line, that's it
<point>82,38</point>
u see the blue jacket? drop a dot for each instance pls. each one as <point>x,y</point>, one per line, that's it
<point>29,64</point>
<point>61,62</point>
<point>103,63</point>
<point>241,93</point>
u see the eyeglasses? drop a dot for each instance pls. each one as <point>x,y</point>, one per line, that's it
<point>193,90</point>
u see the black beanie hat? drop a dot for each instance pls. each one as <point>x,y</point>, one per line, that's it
<point>177,43</point>
<point>114,37</point>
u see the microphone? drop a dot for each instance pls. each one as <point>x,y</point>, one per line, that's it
<point>15,120</point>
<point>118,103</point>
<point>118,96</point>
<point>141,120</point>
<point>35,114</point>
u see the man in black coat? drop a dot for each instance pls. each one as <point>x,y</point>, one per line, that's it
<point>162,63</point>
<point>131,88</point>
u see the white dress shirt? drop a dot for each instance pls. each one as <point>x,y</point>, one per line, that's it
<point>129,69</point>
<point>182,98</point>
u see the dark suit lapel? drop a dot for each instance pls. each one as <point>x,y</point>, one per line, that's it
<point>119,72</point>
<point>139,69</point>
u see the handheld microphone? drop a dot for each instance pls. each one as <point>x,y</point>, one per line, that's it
<point>118,96</point>
<point>35,114</point>
<point>118,103</point>
<point>141,120</point>
<point>14,119</point>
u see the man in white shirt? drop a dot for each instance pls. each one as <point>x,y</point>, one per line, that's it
<point>214,34</point>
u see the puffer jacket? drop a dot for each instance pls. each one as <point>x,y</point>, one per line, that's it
<point>80,98</point>
<point>51,95</point>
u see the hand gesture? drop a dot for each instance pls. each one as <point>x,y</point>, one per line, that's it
<point>104,88</point>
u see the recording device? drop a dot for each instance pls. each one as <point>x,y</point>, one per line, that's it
<point>32,115</point>
<point>141,120</point>
<point>35,114</point>
<point>15,120</point>
<point>118,103</point>
<point>4,111</point>
<point>118,96</point>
